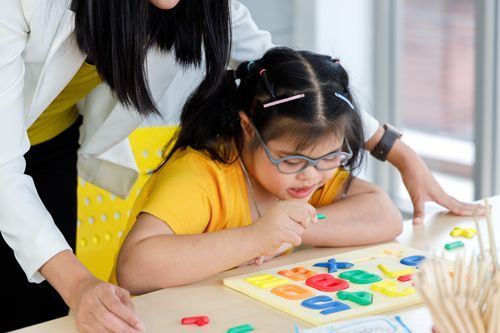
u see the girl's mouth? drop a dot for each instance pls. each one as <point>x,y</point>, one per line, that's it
<point>301,192</point>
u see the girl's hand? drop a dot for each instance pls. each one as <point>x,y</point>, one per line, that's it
<point>285,222</point>
<point>103,307</point>
<point>262,259</point>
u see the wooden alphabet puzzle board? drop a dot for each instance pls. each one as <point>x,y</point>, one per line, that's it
<point>360,283</point>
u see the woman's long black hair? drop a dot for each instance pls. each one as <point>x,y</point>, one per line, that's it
<point>212,125</point>
<point>116,36</point>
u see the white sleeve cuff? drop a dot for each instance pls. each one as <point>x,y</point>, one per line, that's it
<point>370,124</point>
<point>52,242</point>
<point>249,42</point>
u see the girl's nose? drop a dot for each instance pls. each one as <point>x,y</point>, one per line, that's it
<point>309,172</point>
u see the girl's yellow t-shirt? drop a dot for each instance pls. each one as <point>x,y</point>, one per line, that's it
<point>194,194</point>
<point>62,112</point>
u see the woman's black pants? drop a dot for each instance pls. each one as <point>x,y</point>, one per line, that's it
<point>52,165</point>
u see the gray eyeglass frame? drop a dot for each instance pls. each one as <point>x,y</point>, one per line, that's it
<point>310,161</point>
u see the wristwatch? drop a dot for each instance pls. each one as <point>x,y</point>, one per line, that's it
<point>386,142</point>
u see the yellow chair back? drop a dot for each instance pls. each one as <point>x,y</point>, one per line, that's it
<point>102,216</point>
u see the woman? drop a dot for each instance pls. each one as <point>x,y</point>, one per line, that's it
<point>53,54</point>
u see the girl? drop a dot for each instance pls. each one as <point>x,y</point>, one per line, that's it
<point>250,168</point>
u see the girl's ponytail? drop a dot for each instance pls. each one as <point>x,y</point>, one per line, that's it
<point>208,121</point>
<point>244,70</point>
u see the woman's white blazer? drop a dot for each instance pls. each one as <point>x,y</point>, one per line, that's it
<point>38,57</point>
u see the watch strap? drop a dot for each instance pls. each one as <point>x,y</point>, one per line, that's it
<point>385,144</point>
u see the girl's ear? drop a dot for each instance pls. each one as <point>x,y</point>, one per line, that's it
<point>246,125</point>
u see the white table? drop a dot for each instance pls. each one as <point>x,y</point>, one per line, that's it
<point>162,310</point>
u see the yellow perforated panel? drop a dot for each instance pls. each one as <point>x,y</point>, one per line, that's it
<point>102,216</point>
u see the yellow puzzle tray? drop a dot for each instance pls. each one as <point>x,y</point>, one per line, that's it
<point>345,285</point>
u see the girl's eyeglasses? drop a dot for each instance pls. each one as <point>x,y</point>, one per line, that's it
<point>298,163</point>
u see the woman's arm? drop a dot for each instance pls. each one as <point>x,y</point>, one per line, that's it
<point>365,216</point>
<point>25,224</point>
<point>419,181</point>
<point>98,306</point>
<point>248,41</point>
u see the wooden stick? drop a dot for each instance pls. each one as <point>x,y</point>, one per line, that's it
<point>462,283</point>
<point>468,303</point>
<point>439,318</point>
<point>480,280</point>
<point>443,280</point>
<point>444,294</point>
<point>426,284</point>
<point>492,323</point>
<point>476,317</point>
<point>495,303</point>
<point>458,271</point>
<point>472,276</point>
<point>498,308</point>
<point>467,313</point>
<point>487,309</point>
<point>454,318</point>
<point>491,234</point>
<point>479,237</point>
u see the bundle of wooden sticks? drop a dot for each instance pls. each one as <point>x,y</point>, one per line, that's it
<point>464,298</point>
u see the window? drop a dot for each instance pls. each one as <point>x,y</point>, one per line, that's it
<point>436,93</point>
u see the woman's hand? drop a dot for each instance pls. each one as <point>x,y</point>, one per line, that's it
<point>422,187</point>
<point>103,307</point>
<point>98,306</point>
<point>420,182</point>
<point>284,223</point>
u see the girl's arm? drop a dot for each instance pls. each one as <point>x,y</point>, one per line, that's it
<point>367,215</point>
<point>152,257</point>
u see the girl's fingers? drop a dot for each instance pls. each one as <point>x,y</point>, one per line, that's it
<point>259,260</point>
<point>302,214</point>
<point>293,238</point>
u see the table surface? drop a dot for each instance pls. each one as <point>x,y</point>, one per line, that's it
<point>162,310</point>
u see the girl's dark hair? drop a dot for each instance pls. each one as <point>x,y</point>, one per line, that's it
<point>213,125</point>
<point>117,34</point>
